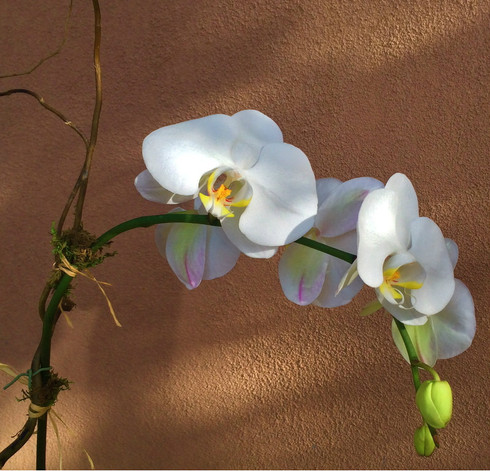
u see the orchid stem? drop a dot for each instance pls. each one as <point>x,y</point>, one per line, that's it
<point>412,354</point>
<point>147,221</point>
<point>429,369</point>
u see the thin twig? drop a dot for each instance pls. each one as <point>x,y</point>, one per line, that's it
<point>54,53</point>
<point>69,202</point>
<point>40,99</point>
<point>95,120</point>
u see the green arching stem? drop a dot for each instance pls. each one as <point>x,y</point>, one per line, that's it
<point>49,323</point>
<point>147,221</point>
<point>428,368</point>
<point>346,256</point>
<point>412,354</point>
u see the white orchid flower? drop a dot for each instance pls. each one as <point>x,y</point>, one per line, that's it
<point>261,189</point>
<point>309,276</point>
<point>402,255</point>
<point>447,333</point>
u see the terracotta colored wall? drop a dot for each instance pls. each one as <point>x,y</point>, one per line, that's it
<point>232,375</point>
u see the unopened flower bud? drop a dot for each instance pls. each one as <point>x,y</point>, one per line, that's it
<point>435,402</point>
<point>423,441</point>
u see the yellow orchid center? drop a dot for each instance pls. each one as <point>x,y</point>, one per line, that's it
<point>393,282</point>
<point>222,193</point>
<point>229,193</point>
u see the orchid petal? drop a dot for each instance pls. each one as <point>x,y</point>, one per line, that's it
<point>325,187</point>
<point>284,195</point>
<point>349,276</point>
<point>409,206</point>
<point>302,273</point>
<point>259,126</point>
<point>454,327</point>
<point>249,248</point>
<point>447,333</point>
<point>429,248</point>
<point>453,251</point>
<point>162,230</point>
<point>338,213</point>
<point>186,252</point>
<point>371,308</point>
<point>151,190</point>
<point>177,156</point>
<point>221,254</point>
<point>379,235</point>
<point>329,297</point>
<point>384,226</point>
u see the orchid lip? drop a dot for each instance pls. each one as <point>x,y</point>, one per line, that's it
<point>400,280</point>
<point>225,189</point>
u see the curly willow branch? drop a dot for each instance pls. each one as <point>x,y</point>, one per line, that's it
<point>54,53</point>
<point>41,101</point>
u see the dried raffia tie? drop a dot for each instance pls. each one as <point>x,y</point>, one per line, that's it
<point>35,411</point>
<point>70,270</point>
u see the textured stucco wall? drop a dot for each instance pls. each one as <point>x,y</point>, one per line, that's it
<point>232,375</point>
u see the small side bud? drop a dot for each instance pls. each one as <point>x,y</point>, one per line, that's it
<point>435,402</point>
<point>423,441</point>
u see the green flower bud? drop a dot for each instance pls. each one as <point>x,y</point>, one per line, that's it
<point>435,402</point>
<point>423,441</point>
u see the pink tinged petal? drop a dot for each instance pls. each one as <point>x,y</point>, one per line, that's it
<point>178,155</point>
<point>284,200</point>
<point>161,235</point>
<point>430,250</point>
<point>246,246</point>
<point>162,230</point>
<point>454,327</point>
<point>453,251</point>
<point>151,190</point>
<point>325,187</point>
<point>338,213</point>
<point>329,297</point>
<point>221,254</point>
<point>186,252</point>
<point>422,339</point>
<point>379,234</point>
<point>302,273</point>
